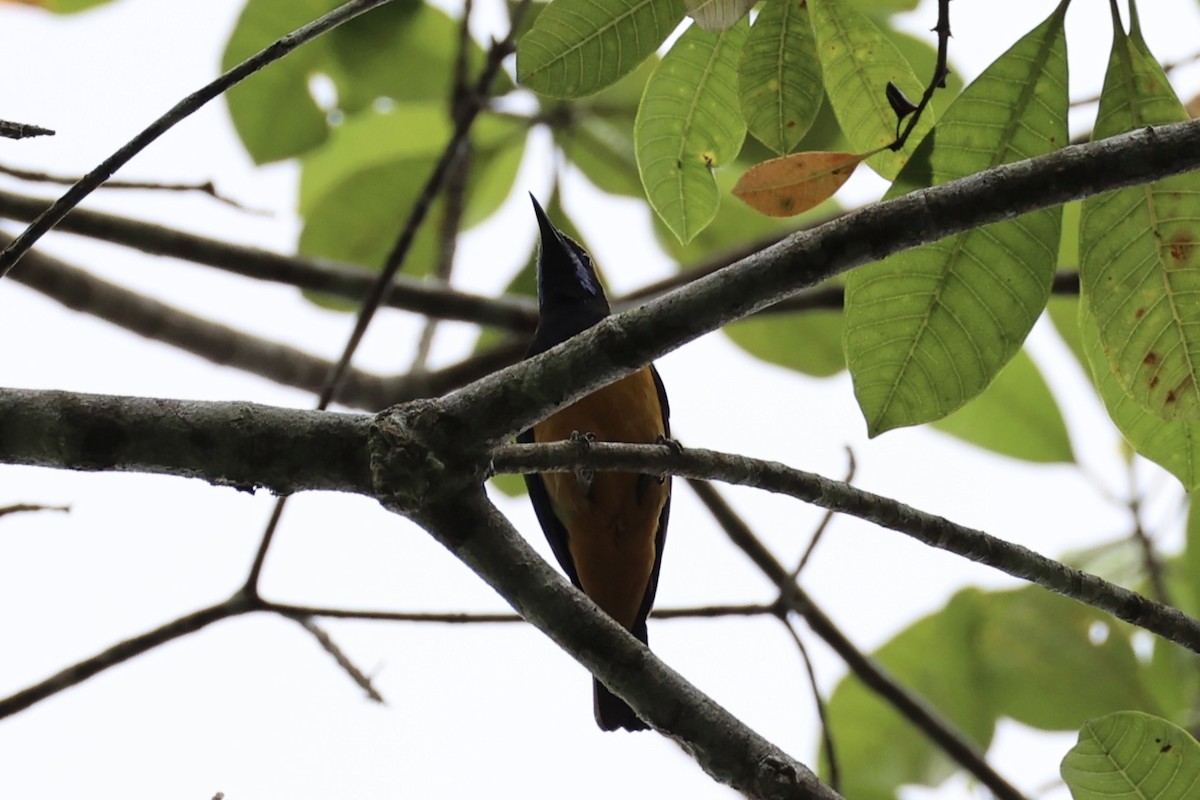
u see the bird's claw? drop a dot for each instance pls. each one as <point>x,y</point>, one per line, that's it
<point>585,475</point>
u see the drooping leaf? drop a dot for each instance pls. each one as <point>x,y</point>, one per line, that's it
<point>1016,416</point>
<point>577,47</point>
<point>1131,754</point>
<point>779,77</point>
<point>793,184</point>
<point>689,124</point>
<point>929,328</point>
<point>858,62</point>
<point>1140,263</point>
<point>1173,444</point>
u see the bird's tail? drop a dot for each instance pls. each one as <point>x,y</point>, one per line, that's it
<point>613,713</point>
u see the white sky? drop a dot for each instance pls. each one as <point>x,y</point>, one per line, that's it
<point>251,707</point>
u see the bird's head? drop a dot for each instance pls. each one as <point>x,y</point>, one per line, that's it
<point>569,292</point>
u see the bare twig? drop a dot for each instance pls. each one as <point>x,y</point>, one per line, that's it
<point>330,646</point>
<point>465,618</point>
<point>1013,559</point>
<point>207,187</point>
<point>180,111</point>
<point>121,652</point>
<point>914,708</point>
<point>835,772</point>
<point>20,130</point>
<point>825,520</point>
<point>25,507</point>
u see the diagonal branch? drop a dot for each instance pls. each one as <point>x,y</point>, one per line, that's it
<point>507,402</point>
<point>177,113</point>
<point>470,527</point>
<point>935,531</point>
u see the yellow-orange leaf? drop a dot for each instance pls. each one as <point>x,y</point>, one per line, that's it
<point>791,185</point>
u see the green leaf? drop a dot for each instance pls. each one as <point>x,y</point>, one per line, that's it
<point>598,135</point>
<point>809,342</point>
<point>577,47</point>
<point>1016,416</point>
<point>1130,754</point>
<point>779,77</point>
<point>357,191</point>
<point>272,110</point>
<point>404,51</point>
<point>689,124</point>
<point>879,750</point>
<point>1172,444</point>
<point>929,328</point>
<point>859,61</point>
<point>1034,638</point>
<point>1140,263</point>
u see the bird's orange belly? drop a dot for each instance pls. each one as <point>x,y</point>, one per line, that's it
<point>611,521</point>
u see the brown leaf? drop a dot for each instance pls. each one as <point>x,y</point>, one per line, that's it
<point>793,184</point>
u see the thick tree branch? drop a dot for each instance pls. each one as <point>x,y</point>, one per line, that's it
<point>349,281</point>
<point>469,526</point>
<point>244,445</point>
<point>935,531</point>
<point>507,402</point>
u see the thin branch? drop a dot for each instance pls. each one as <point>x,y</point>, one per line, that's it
<point>465,618</point>
<point>331,647</point>
<point>348,281</point>
<point>121,652</point>
<point>207,187</point>
<point>1150,561</point>
<point>20,130</point>
<point>81,291</point>
<point>180,111</point>
<point>835,772</point>
<point>935,531</point>
<point>911,706</point>
<point>823,525</point>
<point>20,508</point>
<point>940,73</point>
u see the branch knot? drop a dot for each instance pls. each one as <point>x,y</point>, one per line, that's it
<point>420,453</point>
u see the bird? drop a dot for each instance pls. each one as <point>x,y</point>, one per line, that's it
<point>606,529</point>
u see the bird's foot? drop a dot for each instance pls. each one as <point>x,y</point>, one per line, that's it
<point>585,475</point>
<point>675,448</point>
